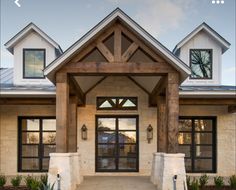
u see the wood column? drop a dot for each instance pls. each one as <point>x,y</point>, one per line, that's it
<point>161,125</point>
<point>62,107</point>
<point>172,105</point>
<point>72,130</point>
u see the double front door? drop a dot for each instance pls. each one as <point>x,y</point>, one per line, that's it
<point>116,143</point>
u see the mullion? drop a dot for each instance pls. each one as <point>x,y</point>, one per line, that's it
<point>40,144</point>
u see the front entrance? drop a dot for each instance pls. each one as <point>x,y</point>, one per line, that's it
<point>117,143</point>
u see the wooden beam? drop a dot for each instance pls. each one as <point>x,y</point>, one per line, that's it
<point>232,109</point>
<point>172,105</point>
<point>62,104</point>
<point>117,67</point>
<point>161,124</point>
<point>72,129</point>
<point>117,44</point>
<point>158,90</point>
<point>105,52</point>
<point>207,101</point>
<point>76,90</point>
<point>129,52</point>
<point>139,85</point>
<point>28,101</point>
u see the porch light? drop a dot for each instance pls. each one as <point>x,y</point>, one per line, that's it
<point>149,133</point>
<point>84,130</point>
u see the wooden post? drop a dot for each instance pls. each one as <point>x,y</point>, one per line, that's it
<point>161,125</point>
<point>62,104</point>
<point>72,130</point>
<point>172,103</point>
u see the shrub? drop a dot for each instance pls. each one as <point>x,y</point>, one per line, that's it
<point>48,187</point>
<point>35,184</point>
<point>3,180</point>
<point>203,180</point>
<point>194,185</point>
<point>43,180</point>
<point>15,181</point>
<point>188,181</point>
<point>28,181</point>
<point>219,181</point>
<point>232,181</point>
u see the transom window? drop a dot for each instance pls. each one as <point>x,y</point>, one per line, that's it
<point>197,140</point>
<point>117,103</point>
<point>37,138</point>
<point>33,63</point>
<point>201,63</point>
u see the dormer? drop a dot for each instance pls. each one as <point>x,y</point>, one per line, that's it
<point>33,50</point>
<point>202,51</point>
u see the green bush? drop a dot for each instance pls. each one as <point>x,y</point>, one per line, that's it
<point>43,180</point>
<point>3,180</point>
<point>194,184</point>
<point>232,181</point>
<point>32,183</point>
<point>203,180</point>
<point>48,187</point>
<point>15,181</point>
<point>28,181</point>
<point>188,181</point>
<point>219,181</point>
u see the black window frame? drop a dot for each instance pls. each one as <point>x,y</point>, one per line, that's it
<point>193,145</point>
<point>117,156</point>
<point>44,62</point>
<point>117,105</point>
<point>190,64</point>
<point>40,145</point>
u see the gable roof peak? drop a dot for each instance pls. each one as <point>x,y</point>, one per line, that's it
<point>27,30</point>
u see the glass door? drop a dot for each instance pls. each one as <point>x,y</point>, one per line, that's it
<point>116,143</point>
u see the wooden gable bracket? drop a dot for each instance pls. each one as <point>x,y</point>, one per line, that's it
<point>232,108</point>
<point>75,89</point>
<point>158,90</point>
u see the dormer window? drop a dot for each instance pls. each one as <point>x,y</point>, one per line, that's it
<point>33,63</point>
<point>201,63</point>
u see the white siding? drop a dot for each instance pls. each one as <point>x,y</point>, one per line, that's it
<point>203,41</point>
<point>33,40</point>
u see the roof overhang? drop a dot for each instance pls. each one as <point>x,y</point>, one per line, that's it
<point>204,27</point>
<point>27,30</point>
<point>180,66</point>
<point>208,94</point>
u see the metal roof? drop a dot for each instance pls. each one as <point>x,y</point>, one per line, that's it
<point>6,75</point>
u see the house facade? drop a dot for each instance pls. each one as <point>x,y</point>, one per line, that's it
<point>112,99</point>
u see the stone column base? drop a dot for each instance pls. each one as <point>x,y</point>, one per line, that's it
<point>165,167</point>
<point>68,167</point>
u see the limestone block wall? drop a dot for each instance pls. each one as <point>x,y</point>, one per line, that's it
<point>117,86</point>
<point>9,132</point>
<point>225,134</point>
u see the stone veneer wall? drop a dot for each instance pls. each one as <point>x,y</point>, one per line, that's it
<point>225,135</point>
<point>9,131</point>
<point>117,86</point>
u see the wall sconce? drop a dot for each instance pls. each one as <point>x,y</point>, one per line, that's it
<point>149,133</point>
<point>84,132</point>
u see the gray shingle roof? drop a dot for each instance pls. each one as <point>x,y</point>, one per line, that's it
<point>6,75</point>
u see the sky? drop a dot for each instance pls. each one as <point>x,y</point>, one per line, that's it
<point>169,21</point>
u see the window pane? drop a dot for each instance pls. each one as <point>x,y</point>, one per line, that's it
<point>49,137</point>
<point>106,104</point>
<point>186,150</point>
<point>127,150</point>
<point>185,138</point>
<point>30,150</point>
<point>30,137</point>
<point>127,123</point>
<point>106,150</point>
<point>34,63</point>
<point>127,137</point>
<point>106,163</point>
<point>45,163</point>
<point>128,103</point>
<point>203,125</point>
<point>204,151</point>
<point>49,124</point>
<point>30,164</point>
<point>30,124</point>
<point>203,164</point>
<point>48,149</point>
<point>106,124</point>
<point>106,137</point>
<point>188,164</point>
<point>203,138</point>
<point>185,125</point>
<point>201,63</point>
<point>127,163</point>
